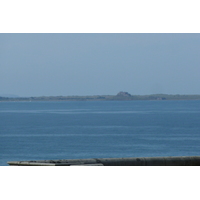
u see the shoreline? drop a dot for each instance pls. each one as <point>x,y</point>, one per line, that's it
<point>156,97</point>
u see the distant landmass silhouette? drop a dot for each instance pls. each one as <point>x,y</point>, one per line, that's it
<point>121,96</point>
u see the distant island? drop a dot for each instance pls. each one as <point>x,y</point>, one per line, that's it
<point>121,96</point>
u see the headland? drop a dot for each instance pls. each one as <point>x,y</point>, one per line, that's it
<point>121,96</point>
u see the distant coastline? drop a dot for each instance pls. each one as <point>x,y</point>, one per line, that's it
<point>121,96</point>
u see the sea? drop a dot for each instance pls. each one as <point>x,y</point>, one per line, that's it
<point>55,130</point>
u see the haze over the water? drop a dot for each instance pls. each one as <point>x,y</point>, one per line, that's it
<point>99,64</point>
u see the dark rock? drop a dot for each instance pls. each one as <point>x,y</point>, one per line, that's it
<point>124,94</point>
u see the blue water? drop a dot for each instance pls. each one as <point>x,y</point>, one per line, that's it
<point>98,129</point>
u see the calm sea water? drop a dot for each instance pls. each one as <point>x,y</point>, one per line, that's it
<point>104,129</point>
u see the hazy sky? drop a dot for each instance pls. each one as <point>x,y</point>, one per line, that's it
<point>98,64</point>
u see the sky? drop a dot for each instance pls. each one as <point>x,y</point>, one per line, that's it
<point>66,64</point>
